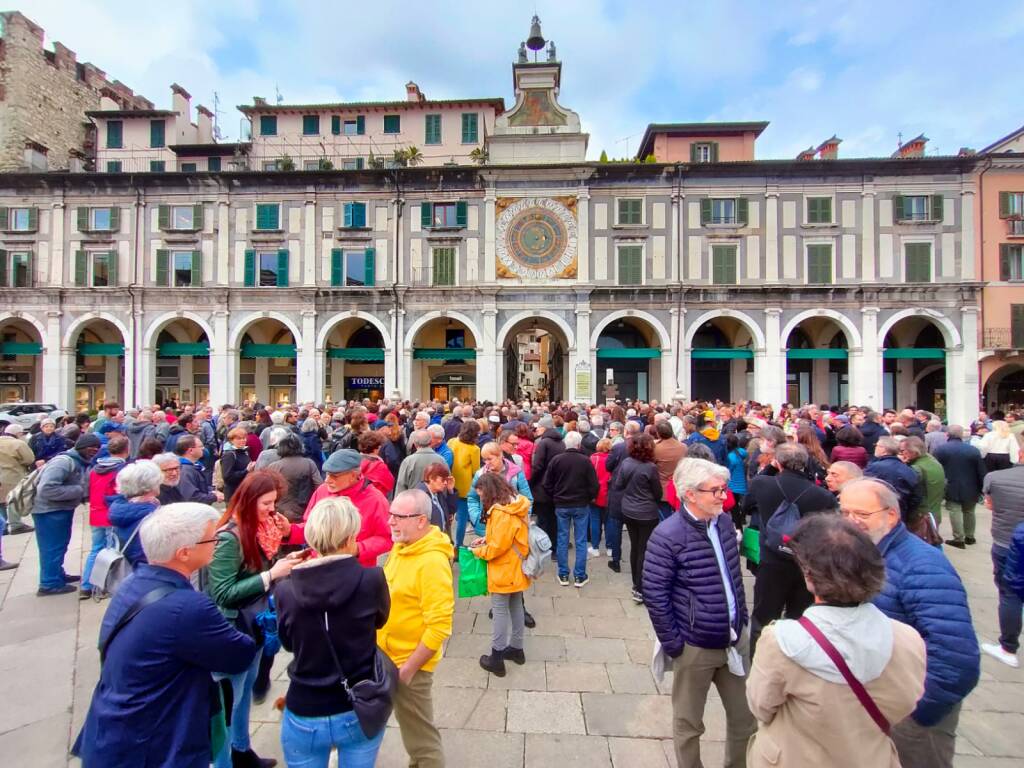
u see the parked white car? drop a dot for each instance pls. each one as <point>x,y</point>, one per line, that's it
<point>28,414</point>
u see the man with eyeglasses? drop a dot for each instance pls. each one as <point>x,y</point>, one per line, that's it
<point>693,590</point>
<point>419,576</point>
<point>921,589</point>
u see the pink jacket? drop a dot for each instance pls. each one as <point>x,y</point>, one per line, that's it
<point>374,537</point>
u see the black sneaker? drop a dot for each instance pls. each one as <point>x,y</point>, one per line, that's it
<point>563,580</point>
<point>47,591</point>
<point>969,540</point>
<point>528,619</point>
<point>638,597</point>
<point>72,579</point>
<point>955,543</point>
<point>614,565</point>
<point>85,594</point>
<point>580,583</point>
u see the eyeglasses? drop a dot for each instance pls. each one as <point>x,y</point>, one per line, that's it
<point>722,491</point>
<point>404,517</point>
<point>860,514</point>
<point>171,470</point>
<point>205,541</point>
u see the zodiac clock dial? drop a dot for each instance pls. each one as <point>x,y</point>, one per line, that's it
<point>536,238</point>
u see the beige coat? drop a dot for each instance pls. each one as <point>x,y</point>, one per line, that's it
<point>804,720</point>
<point>16,461</point>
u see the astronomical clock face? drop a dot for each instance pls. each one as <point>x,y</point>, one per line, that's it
<point>536,238</point>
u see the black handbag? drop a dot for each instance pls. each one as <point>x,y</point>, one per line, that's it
<point>372,699</point>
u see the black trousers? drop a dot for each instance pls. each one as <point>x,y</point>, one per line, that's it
<point>639,533</point>
<point>545,512</point>
<point>779,589</point>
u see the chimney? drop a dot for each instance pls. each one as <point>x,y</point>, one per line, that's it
<point>912,148</point>
<point>259,101</point>
<point>807,154</point>
<point>829,149</point>
<point>413,93</point>
<point>181,101</point>
<point>204,121</point>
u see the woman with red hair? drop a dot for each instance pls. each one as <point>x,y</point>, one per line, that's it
<point>244,566</point>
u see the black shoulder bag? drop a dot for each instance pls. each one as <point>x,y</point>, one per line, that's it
<point>371,698</point>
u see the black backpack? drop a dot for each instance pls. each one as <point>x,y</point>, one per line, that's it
<point>781,525</point>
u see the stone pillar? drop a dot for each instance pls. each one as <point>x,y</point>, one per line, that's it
<point>968,270</point>
<point>867,242</point>
<point>52,270</point>
<point>307,383</point>
<point>223,273</point>
<point>668,377</point>
<point>584,354</point>
<point>489,250</point>
<point>770,365</point>
<point>127,399</point>
<point>147,376</point>
<point>487,357</point>
<point>397,374</point>
<point>962,371</point>
<point>583,236</point>
<point>57,380</point>
<point>309,254</point>
<point>224,364</point>
<point>865,364</point>
<point>677,315</point>
<point>262,379</point>
<point>186,379</point>
<point>674,270</point>
<point>771,239</point>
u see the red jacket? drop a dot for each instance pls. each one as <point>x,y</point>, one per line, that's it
<point>374,537</point>
<point>102,483</point>
<point>374,469</point>
<point>525,449</point>
<point>600,462</point>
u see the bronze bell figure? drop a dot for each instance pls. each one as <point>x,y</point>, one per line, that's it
<point>535,41</point>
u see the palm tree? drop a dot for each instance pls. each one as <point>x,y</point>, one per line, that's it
<point>413,156</point>
<point>479,156</point>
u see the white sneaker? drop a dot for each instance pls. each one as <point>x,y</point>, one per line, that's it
<point>593,552</point>
<point>608,553</point>
<point>995,650</point>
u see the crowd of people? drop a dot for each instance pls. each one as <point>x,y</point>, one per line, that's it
<point>331,531</point>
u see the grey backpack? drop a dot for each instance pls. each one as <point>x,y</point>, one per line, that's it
<point>540,551</point>
<point>111,567</point>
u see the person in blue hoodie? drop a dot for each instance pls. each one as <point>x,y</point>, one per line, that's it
<point>138,490</point>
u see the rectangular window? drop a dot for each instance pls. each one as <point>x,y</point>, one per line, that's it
<point>268,125</point>
<point>352,164</point>
<point>723,264</point>
<point>819,210</point>
<point>157,166</point>
<point>354,215</point>
<point>1011,262</point>
<point>311,125</point>
<point>1011,205</point>
<point>355,127</point>
<point>918,263</point>
<point>917,207</point>
<point>157,130</point>
<point>392,123</point>
<point>630,211</point>
<point>100,220</point>
<point>182,217</point>
<point>18,275</point>
<point>268,216</point>
<point>101,271</point>
<point>189,167</point>
<point>19,220</point>
<point>470,134</point>
<point>115,134</point>
<point>355,267</point>
<point>819,264</point>
<point>443,266</point>
<point>631,268</point>
<point>213,164</point>
<point>113,166</point>
<point>310,165</point>
<point>444,215</point>
<point>704,152</point>
<point>268,264</point>
<point>181,266</point>
<point>723,211</point>
<point>270,165</point>
<point>432,133</point>
<point>1017,326</point>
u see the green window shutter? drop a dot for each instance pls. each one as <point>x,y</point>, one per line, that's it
<point>826,210</point>
<point>156,133</point>
<point>897,208</point>
<point>282,268</point>
<point>82,213</point>
<point>432,133</point>
<point>250,269</point>
<point>311,125</point>
<point>1004,261</point>
<point>714,152</point>
<point>112,268</point>
<point>114,134</point>
<point>819,264</point>
<point>426,215</point>
<point>371,266</point>
<point>336,124</point>
<point>33,219</point>
<point>359,215</point>
<point>163,217</point>
<point>470,132</point>
<point>197,268</point>
<point>918,267</point>
<point>163,261</point>
<point>5,218</point>
<point>347,215</point>
<point>444,266</point>
<point>460,214</point>
<point>741,211</point>
<point>268,125</point>
<point>337,278</point>
<point>213,164</point>
<point>4,274</point>
<point>360,125</point>
<point>936,207</point>
<point>267,216</point>
<point>115,219</point>
<point>630,267</point>
<point>1004,205</point>
<point>81,267</point>
<point>693,152</point>
<point>705,211</point>
<point>1017,325</point>
<point>197,217</point>
<point>392,124</point>
<point>359,164</point>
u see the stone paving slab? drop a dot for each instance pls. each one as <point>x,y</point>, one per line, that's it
<point>536,712</point>
<point>628,715</point>
<point>567,751</point>
<point>639,753</point>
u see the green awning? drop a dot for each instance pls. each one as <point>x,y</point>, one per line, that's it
<point>629,353</point>
<point>20,348</point>
<point>722,353</point>
<point>817,354</point>
<point>444,353</point>
<point>269,350</point>
<point>915,353</point>
<point>101,350</point>
<point>182,349</point>
<point>357,354</point>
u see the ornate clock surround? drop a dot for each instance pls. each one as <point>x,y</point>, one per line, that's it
<point>536,238</point>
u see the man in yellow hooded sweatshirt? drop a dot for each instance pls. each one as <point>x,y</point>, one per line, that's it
<point>419,576</point>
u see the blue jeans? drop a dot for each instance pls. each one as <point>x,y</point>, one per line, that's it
<point>102,536</point>
<point>579,518</point>
<point>598,521</point>
<point>53,534</point>
<point>238,731</point>
<point>307,741</point>
<point>613,537</point>
<point>461,521</point>
<point>1009,603</point>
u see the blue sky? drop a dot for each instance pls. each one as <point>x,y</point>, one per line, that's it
<point>866,71</point>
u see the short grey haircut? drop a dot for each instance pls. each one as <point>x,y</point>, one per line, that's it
<point>420,501</point>
<point>632,427</point>
<point>700,451</point>
<point>331,523</point>
<point>956,431</point>
<point>421,415</point>
<point>436,430</point>
<point>886,496</point>
<point>791,456</point>
<point>583,425</point>
<point>310,424</point>
<point>167,529</point>
<point>51,422</point>
<point>890,445</point>
<point>852,470</point>
<point>773,435</point>
<point>933,426</point>
<point>421,438</point>
<point>276,435</point>
<point>913,446</point>
<point>165,458</point>
<point>692,473</point>
<point>572,440</point>
<point>597,419</point>
<point>277,417</point>
<point>139,478</point>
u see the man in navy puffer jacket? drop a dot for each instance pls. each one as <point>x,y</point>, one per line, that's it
<point>694,594</point>
<point>921,589</point>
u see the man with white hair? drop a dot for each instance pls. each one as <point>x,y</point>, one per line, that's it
<point>840,473</point>
<point>438,444</point>
<point>277,419</point>
<point>693,590</point>
<point>170,468</point>
<point>410,473</point>
<point>933,435</point>
<point>420,421</point>
<point>160,659</point>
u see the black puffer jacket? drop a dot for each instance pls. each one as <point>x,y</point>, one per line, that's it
<point>640,489</point>
<point>545,449</point>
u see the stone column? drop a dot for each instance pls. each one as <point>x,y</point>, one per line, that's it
<point>962,371</point>
<point>147,376</point>
<point>681,359</point>
<point>674,270</point>
<point>52,270</point>
<point>584,353</point>
<point>771,239</point>
<point>129,371</point>
<point>223,273</point>
<point>770,366</point>
<point>489,250</point>
<point>865,363</point>
<point>867,240</point>
<point>309,249</point>
<point>968,270</point>
<point>487,356</point>
<point>307,384</point>
<point>583,235</point>
<point>224,364</point>
<point>58,383</point>
<point>397,375</point>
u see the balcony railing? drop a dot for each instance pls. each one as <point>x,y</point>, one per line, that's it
<point>1003,338</point>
